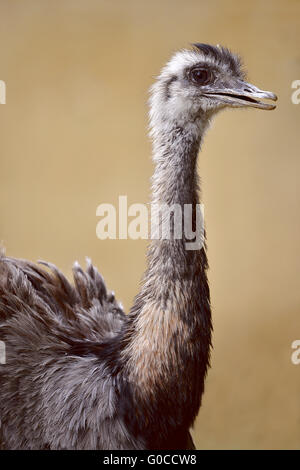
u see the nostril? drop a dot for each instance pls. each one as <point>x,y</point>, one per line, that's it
<point>247,90</point>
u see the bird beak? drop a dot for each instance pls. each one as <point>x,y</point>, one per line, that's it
<point>245,94</point>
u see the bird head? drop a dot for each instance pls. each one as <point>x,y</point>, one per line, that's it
<point>202,81</point>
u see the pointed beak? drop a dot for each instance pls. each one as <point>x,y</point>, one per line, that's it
<point>245,94</point>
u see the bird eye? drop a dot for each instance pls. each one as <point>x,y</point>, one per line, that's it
<point>200,76</point>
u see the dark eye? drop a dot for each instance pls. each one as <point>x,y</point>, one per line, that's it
<point>200,76</point>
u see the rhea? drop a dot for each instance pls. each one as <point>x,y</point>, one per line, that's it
<point>79,373</point>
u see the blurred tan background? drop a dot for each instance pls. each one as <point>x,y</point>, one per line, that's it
<point>74,135</point>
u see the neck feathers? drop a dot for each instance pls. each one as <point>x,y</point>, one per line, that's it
<point>168,341</point>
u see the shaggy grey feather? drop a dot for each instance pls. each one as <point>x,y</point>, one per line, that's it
<point>65,401</point>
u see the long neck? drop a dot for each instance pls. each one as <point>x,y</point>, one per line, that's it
<point>174,186</point>
<point>167,352</point>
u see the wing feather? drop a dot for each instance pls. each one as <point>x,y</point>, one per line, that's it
<point>85,310</point>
